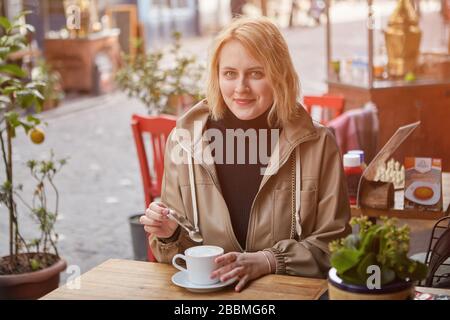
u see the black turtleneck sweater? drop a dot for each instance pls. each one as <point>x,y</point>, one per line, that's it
<point>240,182</point>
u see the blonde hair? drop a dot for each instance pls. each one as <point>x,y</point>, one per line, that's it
<point>265,43</point>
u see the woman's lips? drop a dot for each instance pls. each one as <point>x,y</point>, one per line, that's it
<point>244,102</point>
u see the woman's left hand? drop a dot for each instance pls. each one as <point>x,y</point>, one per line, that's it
<point>245,266</point>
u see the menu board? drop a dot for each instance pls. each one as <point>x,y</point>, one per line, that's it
<point>388,149</point>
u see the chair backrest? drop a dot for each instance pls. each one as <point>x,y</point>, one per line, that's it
<point>438,250</point>
<point>158,128</point>
<point>332,103</point>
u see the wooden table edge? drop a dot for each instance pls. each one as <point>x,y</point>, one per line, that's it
<point>401,214</point>
<point>58,293</point>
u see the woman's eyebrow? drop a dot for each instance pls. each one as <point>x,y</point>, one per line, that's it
<point>255,68</point>
<point>248,69</point>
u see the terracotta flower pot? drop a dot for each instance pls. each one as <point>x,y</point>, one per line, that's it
<point>338,290</point>
<point>31,285</point>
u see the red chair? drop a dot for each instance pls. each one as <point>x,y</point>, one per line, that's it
<point>158,128</point>
<point>335,104</point>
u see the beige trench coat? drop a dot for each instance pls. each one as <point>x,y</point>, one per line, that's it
<point>324,206</point>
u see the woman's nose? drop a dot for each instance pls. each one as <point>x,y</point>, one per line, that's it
<point>242,87</point>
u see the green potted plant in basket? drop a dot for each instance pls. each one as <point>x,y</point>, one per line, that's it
<point>373,264</point>
<point>166,81</point>
<point>32,268</point>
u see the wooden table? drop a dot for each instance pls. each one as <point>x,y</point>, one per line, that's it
<point>398,211</point>
<point>126,279</point>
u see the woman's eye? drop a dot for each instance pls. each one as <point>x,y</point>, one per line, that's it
<point>229,74</point>
<point>256,74</point>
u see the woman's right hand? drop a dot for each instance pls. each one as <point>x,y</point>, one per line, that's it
<point>157,222</point>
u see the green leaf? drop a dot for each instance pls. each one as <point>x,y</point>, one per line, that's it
<point>16,47</point>
<point>13,69</point>
<point>31,118</point>
<point>420,271</point>
<point>368,240</point>
<point>368,260</point>
<point>13,119</point>
<point>414,270</point>
<point>37,94</point>
<point>26,126</point>
<point>38,106</point>
<point>9,89</point>
<point>345,259</point>
<point>26,100</point>
<point>35,265</point>
<point>36,83</point>
<point>7,185</point>
<point>351,276</point>
<point>5,23</point>
<point>4,78</point>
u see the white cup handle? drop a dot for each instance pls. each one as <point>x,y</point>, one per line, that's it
<point>174,262</point>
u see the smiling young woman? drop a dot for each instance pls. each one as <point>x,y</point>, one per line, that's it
<point>244,86</point>
<point>274,216</point>
<point>253,43</point>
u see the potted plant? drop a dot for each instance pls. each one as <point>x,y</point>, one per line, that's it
<point>32,267</point>
<point>373,264</point>
<point>165,81</point>
<point>53,92</point>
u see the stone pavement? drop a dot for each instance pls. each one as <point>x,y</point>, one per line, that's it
<point>101,185</point>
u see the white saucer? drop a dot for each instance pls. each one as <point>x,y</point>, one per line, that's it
<point>181,279</point>
<point>409,193</point>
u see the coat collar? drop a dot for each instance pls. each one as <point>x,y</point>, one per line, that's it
<point>299,129</point>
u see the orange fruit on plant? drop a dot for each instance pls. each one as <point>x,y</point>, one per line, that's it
<point>37,136</point>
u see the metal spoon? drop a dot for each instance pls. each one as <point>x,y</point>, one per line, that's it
<point>186,224</point>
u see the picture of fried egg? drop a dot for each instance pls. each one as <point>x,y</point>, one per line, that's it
<point>424,193</point>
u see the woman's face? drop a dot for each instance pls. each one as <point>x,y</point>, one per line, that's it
<point>243,82</point>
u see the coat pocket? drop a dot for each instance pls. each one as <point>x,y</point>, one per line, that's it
<point>308,208</point>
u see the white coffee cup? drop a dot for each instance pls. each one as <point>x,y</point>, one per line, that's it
<point>200,263</point>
